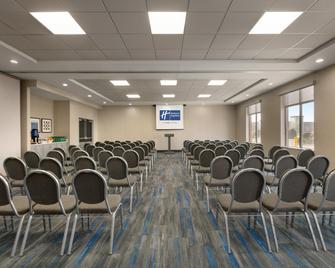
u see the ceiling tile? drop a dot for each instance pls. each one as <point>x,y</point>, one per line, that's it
<point>91,54</point>
<point>324,5</point>
<point>209,5</point>
<point>215,54</point>
<point>108,41</point>
<point>255,41</point>
<point>203,23</point>
<point>251,5</point>
<point>328,29</point>
<point>285,41</point>
<point>10,6</point>
<point>167,41</point>
<point>137,54</point>
<point>117,54</point>
<point>54,54</point>
<point>194,54</point>
<point>227,41</point>
<point>4,29</point>
<point>126,5</point>
<point>40,5</point>
<point>132,22</point>
<point>96,23</point>
<point>47,42</point>
<point>78,41</point>
<point>82,5</point>
<point>314,40</point>
<point>170,5</point>
<point>138,41</point>
<point>197,41</point>
<point>168,54</point>
<point>270,53</point>
<point>294,53</point>
<point>289,5</point>
<point>244,54</point>
<point>239,22</point>
<point>17,41</point>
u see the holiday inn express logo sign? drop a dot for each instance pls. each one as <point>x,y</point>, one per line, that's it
<point>169,115</point>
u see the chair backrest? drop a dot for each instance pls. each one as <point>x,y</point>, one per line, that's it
<point>103,145</point>
<point>295,185</point>
<point>96,152</point>
<point>56,155</point>
<point>197,152</point>
<point>52,165</point>
<point>245,146</point>
<point>272,151</point>
<point>73,150</point>
<point>70,147</point>
<point>126,147</point>
<point>89,187</point>
<point>318,166</point>
<point>329,187</point>
<point>228,146</point>
<point>234,155</point>
<point>258,152</point>
<point>85,145</point>
<point>211,146</point>
<point>42,187</point>
<point>205,158</point>
<point>140,151</point>
<point>221,167</point>
<point>284,164</point>
<point>247,186</point>
<point>32,159</point>
<point>304,156</point>
<point>117,168</point>
<point>132,145</point>
<point>62,151</point>
<point>15,168</point>
<point>241,150</point>
<point>5,196</point>
<point>118,151</point>
<point>103,156</point>
<point>79,154</point>
<point>84,162</point>
<point>278,154</point>
<point>132,158</point>
<point>97,144</point>
<point>193,146</point>
<point>254,161</point>
<point>220,150</point>
<point>109,147</point>
<point>89,149</point>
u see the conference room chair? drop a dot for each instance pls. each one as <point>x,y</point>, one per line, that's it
<point>269,168</point>
<point>77,154</point>
<point>106,141</point>
<point>62,151</point>
<point>134,168</point>
<point>205,158</point>
<point>96,152</point>
<point>16,171</point>
<point>16,206</point>
<point>147,156</point>
<point>245,146</point>
<point>322,203</point>
<point>304,156</point>
<point>184,149</point>
<point>89,150</point>
<point>211,146</point>
<point>254,161</point>
<point>109,147</point>
<point>235,157</point>
<point>32,159</point>
<point>284,164</point>
<point>84,162</point>
<point>118,151</point>
<point>45,199</point>
<point>220,150</point>
<point>54,166</point>
<point>318,166</point>
<point>102,159</point>
<point>97,144</point>
<point>91,192</point>
<point>118,176</point>
<point>141,160</point>
<point>272,150</point>
<point>153,149</point>
<point>71,153</point>
<point>241,150</point>
<point>293,189</point>
<point>70,147</point>
<point>103,145</point>
<point>59,156</point>
<point>195,161</point>
<point>258,146</point>
<point>245,199</point>
<point>85,146</point>
<point>220,175</point>
<point>190,156</point>
<point>228,146</point>
<point>126,147</point>
<point>258,152</point>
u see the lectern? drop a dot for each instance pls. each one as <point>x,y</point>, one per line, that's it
<point>169,135</point>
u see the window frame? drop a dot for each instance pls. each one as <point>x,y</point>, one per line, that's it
<point>257,115</point>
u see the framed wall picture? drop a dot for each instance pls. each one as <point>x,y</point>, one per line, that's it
<point>46,125</point>
<point>35,124</point>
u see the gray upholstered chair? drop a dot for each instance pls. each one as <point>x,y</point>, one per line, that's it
<point>147,156</point>
<point>254,161</point>
<point>32,159</point>
<point>96,152</point>
<point>44,193</point>
<point>59,156</point>
<point>16,171</point>
<point>293,189</point>
<point>134,168</point>
<point>126,147</point>
<point>89,149</point>
<point>92,197</point>
<point>118,151</point>
<point>190,156</point>
<point>220,176</point>
<point>318,166</point>
<point>205,159</point>
<point>269,158</point>
<point>257,151</point>
<point>220,150</point>
<point>304,156</point>
<point>235,157</point>
<point>118,176</point>
<point>109,147</point>
<point>102,159</point>
<point>195,161</point>
<point>84,162</point>
<point>211,146</point>
<point>141,160</point>
<point>17,206</point>
<point>245,199</point>
<point>269,168</point>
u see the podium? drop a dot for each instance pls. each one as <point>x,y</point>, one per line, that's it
<point>169,136</point>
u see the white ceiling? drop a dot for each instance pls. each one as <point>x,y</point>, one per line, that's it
<point>215,45</point>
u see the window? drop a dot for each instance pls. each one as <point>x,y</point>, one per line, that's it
<point>254,123</point>
<point>298,107</point>
<point>85,130</point>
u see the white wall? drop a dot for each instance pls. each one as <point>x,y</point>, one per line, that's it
<point>138,122</point>
<point>10,134</point>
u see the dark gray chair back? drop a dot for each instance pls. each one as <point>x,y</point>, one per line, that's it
<point>197,152</point>
<point>96,152</point>
<point>73,150</point>
<point>52,165</point>
<point>32,159</point>
<point>140,152</point>
<point>126,147</point>
<point>62,151</point>
<point>118,151</point>
<point>220,150</point>
<point>234,155</point>
<point>56,155</point>
<point>89,149</point>
<point>131,158</point>
<point>221,167</point>
<point>5,196</point>
<point>211,146</point>
<point>205,158</point>
<point>278,154</point>
<point>79,154</point>
<point>329,187</point>
<point>109,147</point>
<point>272,151</point>
<point>15,168</point>
<point>258,152</point>
<point>103,156</point>
<point>228,146</point>
<point>84,162</point>
<point>318,166</point>
<point>255,162</point>
<point>117,168</point>
<point>241,150</point>
<point>145,148</point>
<point>304,156</point>
<point>284,164</point>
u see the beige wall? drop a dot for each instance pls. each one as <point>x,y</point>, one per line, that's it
<point>41,107</point>
<point>10,134</point>
<point>138,122</point>
<point>324,94</point>
<point>62,118</point>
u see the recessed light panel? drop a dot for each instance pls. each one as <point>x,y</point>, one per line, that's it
<point>166,96</point>
<point>167,22</point>
<point>319,60</point>
<point>133,96</point>
<point>14,61</point>
<point>58,22</point>
<point>217,82</point>
<point>168,82</point>
<point>274,22</point>
<point>120,83</point>
<point>204,95</point>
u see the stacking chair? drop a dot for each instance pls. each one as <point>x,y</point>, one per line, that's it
<point>304,156</point>
<point>269,158</point>
<point>96,152</point>
<point>235,157</point>
<point>246,198</point>
<point>71,147</point>
<point>102,159</point>
<point>195,161</point>
<point>77,154</point>
<point>59,156</point>
<point>318,166</point>
<point>228,146</point>
<point>117,173</point>
<point>294,188</point>
<point>269,168</point>
<point>255,162</point>
<point>190,156</point>
<point>118,151</point>
<point>184,149</point>
<point>211,146</point>
<point>258,152</point>
<point>126,147</point>
<point>89,149</point>
<point>45,198</point>
<point>32,159</point>
<point>92,197</point>
<point>205,158</point>
<point>147,157</point>
<point>73,150</point>
<point>62,151</point>
<point>16,171</point>
<point>220,176</point>
<point>85,145</point>
<point>84,162</point>
<point>151,153</point>
<point>134,167</point>
<point>258,146</point>
<point>242,151</point>
<point>98,144</point>
<point>109,147</point>
<point>17,206</point>
<point>220,150</point>
<point>142,162</point>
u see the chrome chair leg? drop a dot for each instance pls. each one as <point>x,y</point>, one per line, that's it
<point>273,231</point>
<point>69,251</point>
<point>227,231</point>
<point>311,230</point>
<point>112,234</point>
<point>17,236</point>
<point>141,185</point>
<point>207,195</point>
<point>266,232</point>
<point>68,217</point>
<point>319,230</point>
<point>131,198</point>
<point>25,235</point>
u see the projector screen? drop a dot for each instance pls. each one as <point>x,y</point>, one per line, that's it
<point>169,117</point>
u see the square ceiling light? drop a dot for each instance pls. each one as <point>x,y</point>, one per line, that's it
<point>120,83</point>
<point>58,22</point>
<point>133,96</point>
<point>167,22</point>
<point>169,96</point>
<point>168,82</point>
<point>217,82</point>
<point>204,95</point>
<point>274,22</point>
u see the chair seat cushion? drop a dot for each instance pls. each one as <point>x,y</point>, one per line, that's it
<point>270,202</point>
<point>269,168</point>
<point>136,170</point>
<point>271,181</point>
<point>113,200</point>
<point>194,162</point>
<point>69,203</point>
<point>67,179</point>
<point>21,205</point>
<point>225,200</point>
<point>16,183</point>
<point>215,182</point>
<point>314,202</point>
<point>123,182</point>
<point>200,169</point>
